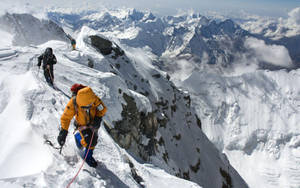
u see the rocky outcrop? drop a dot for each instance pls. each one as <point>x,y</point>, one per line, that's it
<point>106,47</point>
<point>136,131</point>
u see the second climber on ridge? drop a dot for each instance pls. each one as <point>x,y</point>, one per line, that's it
<point>48,59</point>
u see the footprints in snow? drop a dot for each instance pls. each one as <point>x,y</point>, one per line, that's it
<point>7,53</point>
<point>38,101</point>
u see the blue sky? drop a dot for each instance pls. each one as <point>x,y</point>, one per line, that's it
<point>169,7</point>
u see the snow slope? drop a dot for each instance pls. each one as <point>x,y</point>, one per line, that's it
<point>30,113</point>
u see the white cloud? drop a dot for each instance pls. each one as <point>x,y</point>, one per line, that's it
<point>293,22</point>
<point>294,16</point>
<point>183,68</point>
<point>274,54</point>
<point>274,28</point>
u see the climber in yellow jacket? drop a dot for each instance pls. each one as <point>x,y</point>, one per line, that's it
<point>84,105</point>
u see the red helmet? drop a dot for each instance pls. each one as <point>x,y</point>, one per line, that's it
<point>76,87</point>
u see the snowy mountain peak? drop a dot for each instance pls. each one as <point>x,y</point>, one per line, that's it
<point>30,30</point>
<point>135,15</point>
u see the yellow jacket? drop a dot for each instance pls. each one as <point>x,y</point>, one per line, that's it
<point>85,97</point>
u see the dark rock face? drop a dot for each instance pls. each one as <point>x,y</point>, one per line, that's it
<point>106,47</point>
<point>129,132</point>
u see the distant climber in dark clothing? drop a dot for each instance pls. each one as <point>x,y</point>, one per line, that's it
<point>49,60</point>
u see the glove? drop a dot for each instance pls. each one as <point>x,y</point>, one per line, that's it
<point>97,122</point>
<point>62,137</point>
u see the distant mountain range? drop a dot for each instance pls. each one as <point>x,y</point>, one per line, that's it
<point>190,36</point>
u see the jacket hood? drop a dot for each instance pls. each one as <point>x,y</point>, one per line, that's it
<point>85,97</point>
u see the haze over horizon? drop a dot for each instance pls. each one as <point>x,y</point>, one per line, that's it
<point>166,7</point>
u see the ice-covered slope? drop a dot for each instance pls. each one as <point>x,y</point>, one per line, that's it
<point>252,117</point>
<point>125,83</point>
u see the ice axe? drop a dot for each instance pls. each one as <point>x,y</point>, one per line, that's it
<point>52,145</point>
<point>61,149</point>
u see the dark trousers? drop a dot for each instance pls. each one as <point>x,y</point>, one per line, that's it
<point>86,135</point>
<point>49,76</point>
